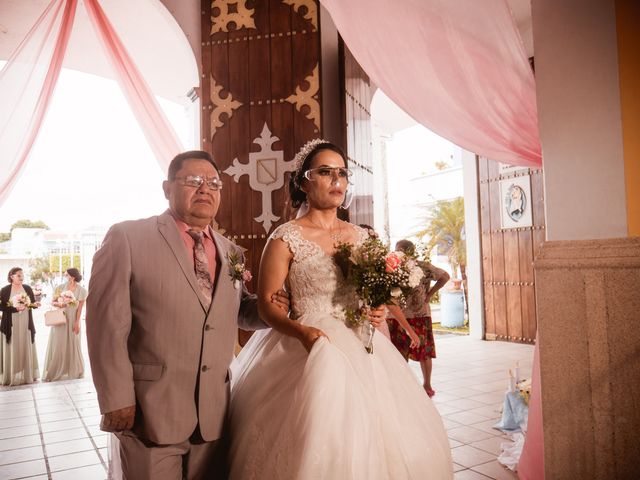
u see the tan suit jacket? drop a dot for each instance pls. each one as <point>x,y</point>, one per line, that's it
<point>151,340</point>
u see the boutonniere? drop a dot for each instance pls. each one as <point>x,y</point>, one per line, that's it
<point>237,271</point>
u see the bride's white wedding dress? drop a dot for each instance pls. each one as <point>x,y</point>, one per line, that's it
<point>337,412</point>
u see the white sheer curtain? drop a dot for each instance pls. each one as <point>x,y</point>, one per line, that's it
<point>28,79</point>
<point>27,82</point>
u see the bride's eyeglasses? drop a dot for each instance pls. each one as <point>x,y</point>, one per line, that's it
<point>328,173</point>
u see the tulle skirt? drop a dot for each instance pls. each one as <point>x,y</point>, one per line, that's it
<point>336,413</point>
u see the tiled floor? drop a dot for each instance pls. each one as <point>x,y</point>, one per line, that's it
<point>50,431</point>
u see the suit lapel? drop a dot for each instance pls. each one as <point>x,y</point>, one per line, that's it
<point>169,231</point>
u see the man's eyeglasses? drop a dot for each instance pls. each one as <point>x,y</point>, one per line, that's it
<point>328,173</point>
<point>196,181</point>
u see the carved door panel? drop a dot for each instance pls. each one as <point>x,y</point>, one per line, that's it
<point>260,103</point>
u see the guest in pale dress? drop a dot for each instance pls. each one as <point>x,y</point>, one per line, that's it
<point>63,360</point>
<point>18,358</point>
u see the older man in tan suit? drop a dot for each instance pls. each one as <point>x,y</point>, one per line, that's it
<point>162,317</point>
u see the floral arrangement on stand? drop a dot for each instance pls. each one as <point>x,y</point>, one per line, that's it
<point>379,277</point>
<point>237,270</point>
<point>524,388</point>
<point>20,302</point>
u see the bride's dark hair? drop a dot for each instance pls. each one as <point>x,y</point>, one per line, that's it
<point>305,158</point>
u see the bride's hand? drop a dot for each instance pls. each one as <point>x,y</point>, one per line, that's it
<point>377,316</point>
<point>309,336</point>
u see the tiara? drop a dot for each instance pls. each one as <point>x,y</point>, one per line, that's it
<point>306,149</point>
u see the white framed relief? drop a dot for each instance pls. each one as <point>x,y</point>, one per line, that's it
<point>506,169</point>
<point>515,202</point>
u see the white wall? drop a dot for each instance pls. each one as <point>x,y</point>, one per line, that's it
<point>474,255</point>
<point>579,118</point>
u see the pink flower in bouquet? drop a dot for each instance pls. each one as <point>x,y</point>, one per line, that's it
<point>392,261</point>
<point>66,298</point>
<point>19,302</point>
<point>246,276</point>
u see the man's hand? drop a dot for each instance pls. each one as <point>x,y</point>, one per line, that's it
<point>377,315</point>
<point>281,299</point>
<point>118,420</point>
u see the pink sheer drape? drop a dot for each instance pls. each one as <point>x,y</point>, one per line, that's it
<point>457,67</point>
<point>27,82</point>
<point>157,129</point>
<point>531,463</point>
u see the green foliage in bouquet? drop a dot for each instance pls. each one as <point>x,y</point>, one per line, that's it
<point>379,276</point>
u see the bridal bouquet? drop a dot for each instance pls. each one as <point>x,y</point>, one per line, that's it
<point>21,301</point>
<point>379,277</point>
<point>66,299</point>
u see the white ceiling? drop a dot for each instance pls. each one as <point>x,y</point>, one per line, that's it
<point>153,38</point>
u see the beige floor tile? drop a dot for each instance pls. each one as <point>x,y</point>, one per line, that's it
<point>468,475</point>
<point>457,468</point>
<point>490,445</point>
<point>23,469</point>
<point>465,434</point>
<point>71,446</point>
<point>21,455</point>
<point>93,472</point>
<point>468,456</point>
<point>19,422</point>
<point>20,442</point>
<point>445,409</point>
<point>465,403</point>
<point>64,435</point>
<point>13,432</point>
<point>466,418</point>
<point>495,470</point>
<point>73,460</point>
<point>61,425</point>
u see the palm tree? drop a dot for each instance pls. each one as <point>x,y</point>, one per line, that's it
<point>445,229</point>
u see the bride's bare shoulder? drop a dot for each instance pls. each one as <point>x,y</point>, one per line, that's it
<point>354,233</point>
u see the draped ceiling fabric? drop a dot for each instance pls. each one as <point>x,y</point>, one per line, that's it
<point>457,67</point>
<point>28,79</point>
<point>27,82</point>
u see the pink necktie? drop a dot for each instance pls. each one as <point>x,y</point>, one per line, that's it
<point>201,264</point>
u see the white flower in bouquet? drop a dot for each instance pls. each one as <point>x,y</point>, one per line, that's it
<point>415,274</point>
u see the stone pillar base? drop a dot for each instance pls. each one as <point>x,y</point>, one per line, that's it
<point>588,301</point>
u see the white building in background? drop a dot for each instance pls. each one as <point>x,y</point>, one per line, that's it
<point>27,244</point>
<point>421,168</point>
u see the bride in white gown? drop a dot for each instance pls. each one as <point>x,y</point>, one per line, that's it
<point>308,402</point>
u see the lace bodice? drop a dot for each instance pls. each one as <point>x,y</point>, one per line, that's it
<point>316,282</point>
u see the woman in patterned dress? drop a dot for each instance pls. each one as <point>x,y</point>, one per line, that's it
<point>418,314</point>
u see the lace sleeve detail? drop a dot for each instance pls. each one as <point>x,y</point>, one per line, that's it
<point>363,234</point>
<point>291,235</point>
